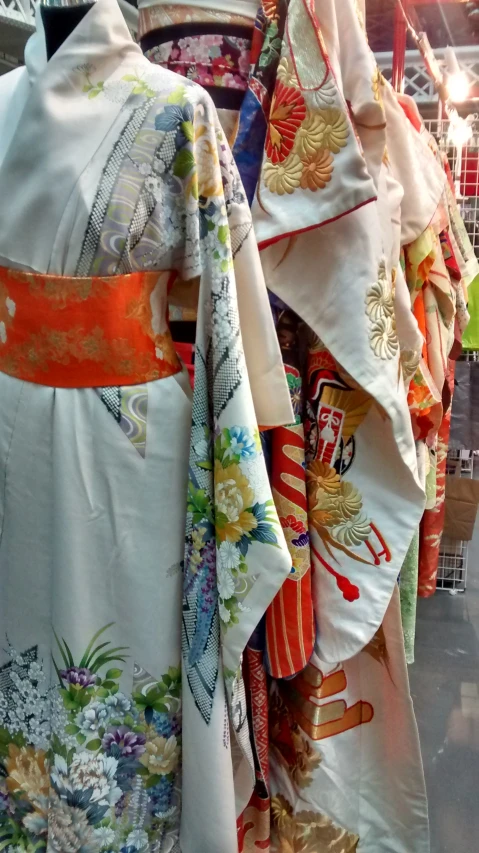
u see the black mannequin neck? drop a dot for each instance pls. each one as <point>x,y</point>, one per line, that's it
<point>59,22</point>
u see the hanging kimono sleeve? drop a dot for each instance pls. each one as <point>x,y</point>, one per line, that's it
<point>236,557</point>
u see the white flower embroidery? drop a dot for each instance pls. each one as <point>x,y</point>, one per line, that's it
<point>11,307</point>
<point>88,771</point>
<point>3,332</point>
<point>379,298</point>
<point>226,583</point>
<point>138,839</point>
<point>93,717</point>
<point>383,338</point>
<point>159,165</point>
<point>152,184</point>
<point>326,96</point>
<point>225,614</point>
<point>229,555</point>
<point>105,835</point>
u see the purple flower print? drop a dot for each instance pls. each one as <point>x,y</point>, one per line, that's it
<point>78,675</point>
<point>129,744</point>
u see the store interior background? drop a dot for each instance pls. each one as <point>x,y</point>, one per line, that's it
<point>445,676</point>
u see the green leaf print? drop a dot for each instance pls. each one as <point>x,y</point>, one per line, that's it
<point>184,163</point>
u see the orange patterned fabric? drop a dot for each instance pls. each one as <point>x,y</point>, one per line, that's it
<point>85,332</point>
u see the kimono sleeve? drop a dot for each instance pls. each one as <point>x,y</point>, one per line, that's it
<point>236,556</point>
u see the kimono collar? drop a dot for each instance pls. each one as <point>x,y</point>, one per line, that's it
<point>61,127</point>
<point>101,33</point>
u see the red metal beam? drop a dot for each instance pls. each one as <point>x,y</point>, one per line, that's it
<point>399,46</point>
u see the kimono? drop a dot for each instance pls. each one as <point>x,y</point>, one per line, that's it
<point>123,724</point>
<point>327,212</point>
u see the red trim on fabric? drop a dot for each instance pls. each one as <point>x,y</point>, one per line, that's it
<point>266,243</point>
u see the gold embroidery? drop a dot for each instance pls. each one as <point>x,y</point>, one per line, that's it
<point>70,290</point>
<point>285,177</point>
<point>302,698</point>
<point>39,351</point>
<point>377,83</point>
<point>335,129</point>
<point>75,332</point>
<point>308,123</point>
<point>290,745</point>
<point>307,831</point>
<point>286,73</point>
<point>317,171</point>
<point>410,360</point>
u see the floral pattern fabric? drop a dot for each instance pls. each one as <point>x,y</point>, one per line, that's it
<point>83,766</point>
<point>210,60</point>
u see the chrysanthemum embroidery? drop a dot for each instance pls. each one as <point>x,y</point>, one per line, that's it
<point>302,140</point>
<point>286,73</point>
<point>288,112</point>
<point>382,322</point>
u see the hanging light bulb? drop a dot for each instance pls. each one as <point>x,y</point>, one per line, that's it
<point>457,82</point>
<point>460,130</point>
<point>458,87</point>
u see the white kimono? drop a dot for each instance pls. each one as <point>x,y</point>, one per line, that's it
<point>345,759</point>
<point>102,161</point>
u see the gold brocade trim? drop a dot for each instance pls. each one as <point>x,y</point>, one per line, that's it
<point>160,16</point>
<point>66,331</point>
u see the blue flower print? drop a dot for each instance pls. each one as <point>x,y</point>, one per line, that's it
<point>242,443</point>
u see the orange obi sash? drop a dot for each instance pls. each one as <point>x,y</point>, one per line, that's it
<point>85,332</point>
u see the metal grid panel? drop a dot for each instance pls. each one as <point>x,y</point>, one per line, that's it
<point>418,83</point>
<point>465,169</point>
<point>453,555</point>
<point>452,567</point>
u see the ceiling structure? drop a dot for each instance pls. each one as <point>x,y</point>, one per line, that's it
<point>446,22</point>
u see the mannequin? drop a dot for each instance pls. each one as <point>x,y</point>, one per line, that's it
<point>60,17</point>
